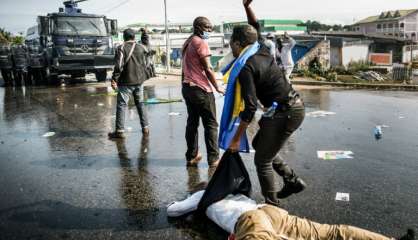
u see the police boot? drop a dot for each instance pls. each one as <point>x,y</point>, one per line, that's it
<point>271,199</point>
<point>292,183</point>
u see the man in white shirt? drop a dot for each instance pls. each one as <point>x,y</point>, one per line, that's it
<point>284,52</point>
<point>244,219</point>
<point>269,42</point>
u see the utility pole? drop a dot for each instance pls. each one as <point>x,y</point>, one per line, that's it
<point>167,38</point>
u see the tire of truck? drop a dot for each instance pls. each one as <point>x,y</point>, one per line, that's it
<point>78,75</point>
<point>101,75</point>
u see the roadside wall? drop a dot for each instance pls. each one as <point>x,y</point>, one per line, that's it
<point>322,51</point>
<point>354,53</point>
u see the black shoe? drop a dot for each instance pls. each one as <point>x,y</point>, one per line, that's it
<point>410,235</point>
<point>290,187</point>
<point>116,134</point>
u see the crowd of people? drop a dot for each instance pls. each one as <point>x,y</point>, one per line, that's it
<point>261,70</point>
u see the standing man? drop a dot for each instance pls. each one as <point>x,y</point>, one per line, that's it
<point>269,42</point>
<point>284,52</point>
<point>262,79</point>
<point>197,81</point>
<point>128,75</point>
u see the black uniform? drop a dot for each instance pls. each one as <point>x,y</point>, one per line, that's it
<point>262,79</point>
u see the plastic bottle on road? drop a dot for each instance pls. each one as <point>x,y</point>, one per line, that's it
<point>378,132</point>
<point>271,111</point>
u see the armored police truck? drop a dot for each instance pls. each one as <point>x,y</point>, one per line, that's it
<point>72,43</point>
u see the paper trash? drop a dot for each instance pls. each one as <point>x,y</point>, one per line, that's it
<point>345,197</point>
<point>100,104</point>
<point>48,134</point>
<point>174,114</point>
<point>319,114</point>
<point>333,155</point>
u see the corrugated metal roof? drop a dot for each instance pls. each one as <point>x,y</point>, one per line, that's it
<point>267,22</point>
<point>387,16</point>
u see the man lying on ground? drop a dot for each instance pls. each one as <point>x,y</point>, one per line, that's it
<point>244,219</point>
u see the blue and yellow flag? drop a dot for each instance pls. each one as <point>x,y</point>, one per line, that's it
<point>233,103</point>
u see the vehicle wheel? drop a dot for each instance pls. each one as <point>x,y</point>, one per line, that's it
<point>101,75</point>
<point>78,75</point>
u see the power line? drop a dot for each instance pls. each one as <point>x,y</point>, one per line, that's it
<point>117,6</point>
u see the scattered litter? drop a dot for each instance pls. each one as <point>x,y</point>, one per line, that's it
<point>345,197</point>
<point>384,126</point>
<point>320,114</point>
<point>174,114</point>
<point>401,117</point>
<point>378,132</point>
<point>100,104</point>
<point>75,106</point>
<point>48,134</point>
<point>370,76</point>
<point>334,155</point>
<point>161,100</point>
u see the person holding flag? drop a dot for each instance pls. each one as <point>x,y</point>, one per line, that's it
<point>252,76</point>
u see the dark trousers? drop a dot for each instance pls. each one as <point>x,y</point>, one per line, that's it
<point>124,93</point>
<point>200,104</point>
<point>270,138</point>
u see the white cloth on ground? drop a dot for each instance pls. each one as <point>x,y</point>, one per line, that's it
<point>224,213</point>
<point>177,209</point>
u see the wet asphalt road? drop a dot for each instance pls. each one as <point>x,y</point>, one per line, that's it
<point>78,184</point>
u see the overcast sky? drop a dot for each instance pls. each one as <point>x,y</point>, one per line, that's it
<point>18,15</point>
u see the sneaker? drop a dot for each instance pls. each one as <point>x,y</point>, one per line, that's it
<point>116,134</point>
<point>410,235</point>
<point>194,161</point>
<point>292,187</point>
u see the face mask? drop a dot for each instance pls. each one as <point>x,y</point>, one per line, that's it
<point>206,35</point>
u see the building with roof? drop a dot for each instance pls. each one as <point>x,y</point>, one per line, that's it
<point>399,24</point>
<point>278,26</point>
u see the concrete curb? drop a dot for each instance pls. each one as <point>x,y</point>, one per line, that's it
<point>377,86</point>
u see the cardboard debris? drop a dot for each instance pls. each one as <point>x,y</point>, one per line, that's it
<point>316,114</point>
<point>345,197</point>
<point>48,134</point>
<point>334,155</point>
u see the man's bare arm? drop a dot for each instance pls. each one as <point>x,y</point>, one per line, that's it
<point>251,18</point>
<point>210,74</point>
